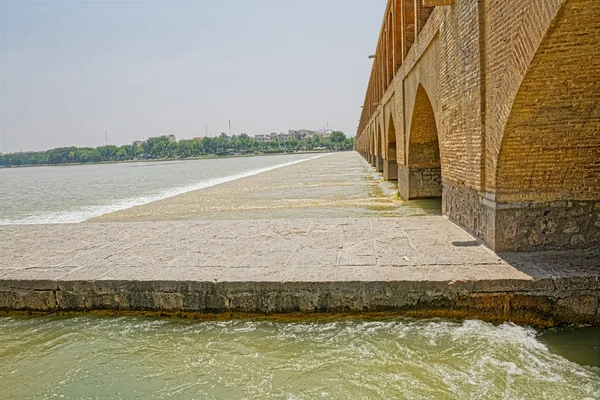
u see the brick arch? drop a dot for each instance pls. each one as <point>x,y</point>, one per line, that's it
<point>550,147</point>
<point>390,134</point>
<point>425,75</point>
<point>373,141</point>
<point>423,177</point>
<point>379,150</point>
<point>390,166</point>
<point>423,142</point>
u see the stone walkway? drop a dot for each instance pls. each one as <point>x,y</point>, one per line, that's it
<point>414,265</point>
<point>332,186</point>
<point>254,250</point>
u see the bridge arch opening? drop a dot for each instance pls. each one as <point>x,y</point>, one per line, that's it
<point>424,178</point>
<point>379,142</point>
<point>373,147</point>
<point>390,166</point>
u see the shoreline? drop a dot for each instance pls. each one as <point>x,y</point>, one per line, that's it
<point>89,213</point>
<point>207,157</point>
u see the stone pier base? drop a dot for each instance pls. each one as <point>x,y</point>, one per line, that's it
<point>379,164</point>
<point>557,225</point>
<point>527,226</point>
<point>390,170</point>
<point>419,183</point>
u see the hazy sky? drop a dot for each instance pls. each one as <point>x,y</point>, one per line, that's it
<point>72,69</point>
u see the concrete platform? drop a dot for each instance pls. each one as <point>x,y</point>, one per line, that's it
<point>418,266</point>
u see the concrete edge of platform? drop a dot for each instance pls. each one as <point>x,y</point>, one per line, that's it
<point>540,303</point>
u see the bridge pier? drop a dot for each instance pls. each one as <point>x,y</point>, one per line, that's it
<point>524,226</point>
<point>378,164</point>
<point>419,182</point>
<point>390,170</point>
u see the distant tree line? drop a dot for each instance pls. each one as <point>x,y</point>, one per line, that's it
<point>161,148</point>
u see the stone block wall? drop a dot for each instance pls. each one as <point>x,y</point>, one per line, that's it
<point>419,183</point>
<point>556,225</point>
<point>390,170</point>
<point>470,209</point>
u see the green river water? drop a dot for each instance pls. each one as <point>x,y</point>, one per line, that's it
<point>89,357</point>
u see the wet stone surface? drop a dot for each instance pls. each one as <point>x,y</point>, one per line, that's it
<point>338,185</point>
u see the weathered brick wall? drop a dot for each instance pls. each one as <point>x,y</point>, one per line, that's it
<point>514,86</point>
<point>513,31</point>
<point>397,113</point>
<point>550,148</point>
<point>460,84</point>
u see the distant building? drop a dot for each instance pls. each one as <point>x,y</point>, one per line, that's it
<point>262,138</point>
<point>284,137</point>
<point>170,138</point>
<point>302,133</point>
<point>323,133</point>
<point>199,138</point>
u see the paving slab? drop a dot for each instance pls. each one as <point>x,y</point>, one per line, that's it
<point>418,266</point>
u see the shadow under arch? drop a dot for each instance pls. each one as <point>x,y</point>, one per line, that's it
<point>422,177</point>
<point>390,165</point>
<point>379,143</point>
<point>371,147</point>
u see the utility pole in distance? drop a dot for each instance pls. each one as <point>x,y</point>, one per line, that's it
<point>105,138</point>
<point>229,128</point>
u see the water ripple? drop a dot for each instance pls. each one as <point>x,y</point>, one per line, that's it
<point>144,358</point>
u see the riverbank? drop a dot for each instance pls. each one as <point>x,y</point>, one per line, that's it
<point>418,267</point>
<point>204,157</point>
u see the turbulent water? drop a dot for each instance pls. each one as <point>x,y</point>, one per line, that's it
<point>145,358</point>
<point>75,193</point>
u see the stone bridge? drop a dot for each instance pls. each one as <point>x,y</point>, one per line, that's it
<point>494,105</point>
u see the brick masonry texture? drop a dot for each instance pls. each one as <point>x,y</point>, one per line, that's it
<point>510,90</point>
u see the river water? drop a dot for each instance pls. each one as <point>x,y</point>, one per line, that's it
<point>145,358</point>
<point>75,193</point>
<point>148,358</point>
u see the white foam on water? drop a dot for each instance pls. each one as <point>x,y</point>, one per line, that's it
<point>81,214</point>
<point>346,358</point>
